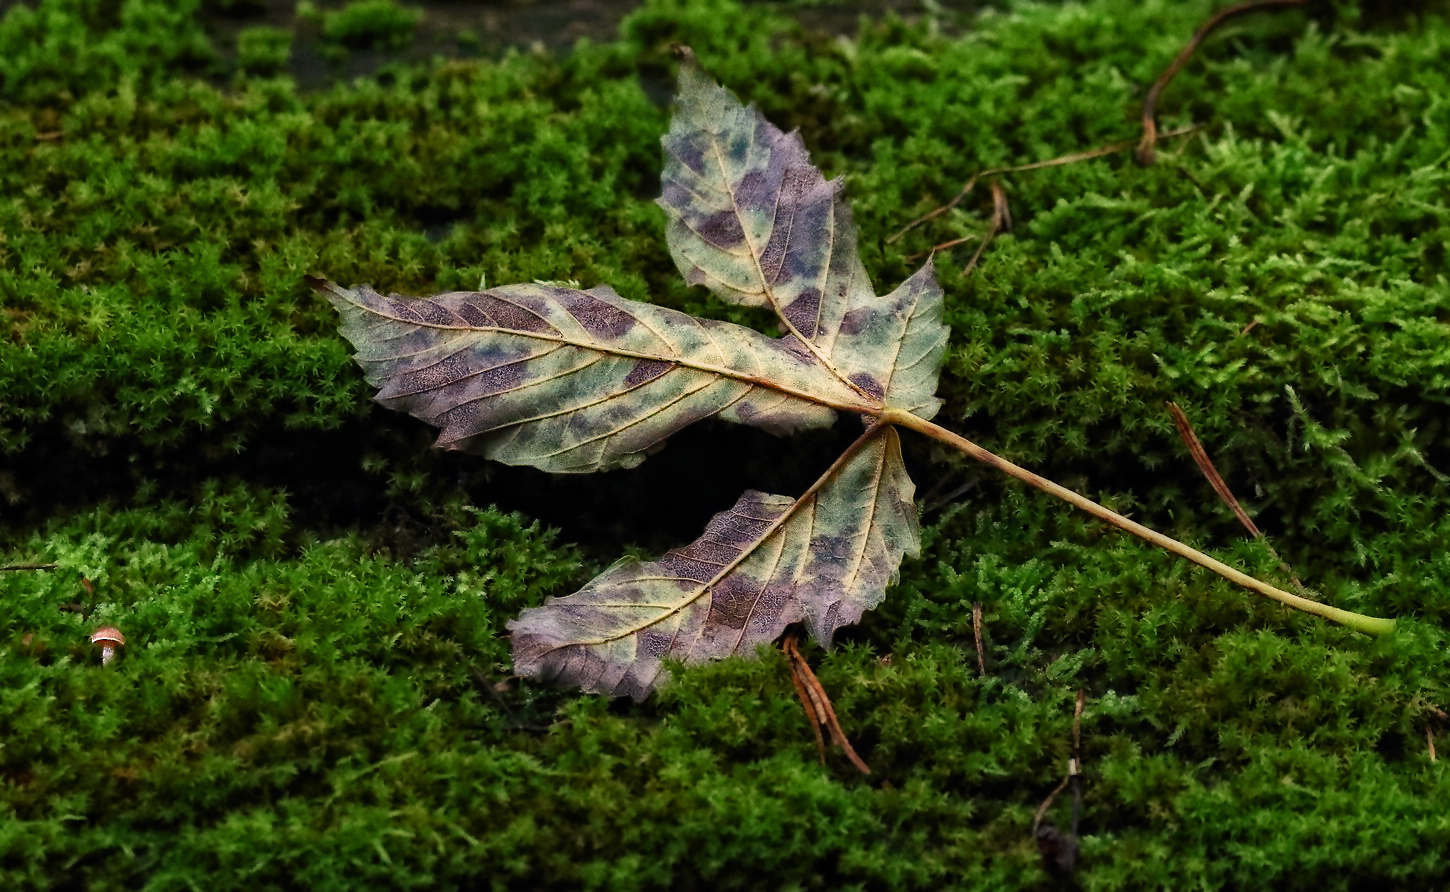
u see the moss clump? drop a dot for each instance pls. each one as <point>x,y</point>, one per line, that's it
<point>263,50</point>
<point>56,50</point>
<point>371,24</point>
<point>315,691</point>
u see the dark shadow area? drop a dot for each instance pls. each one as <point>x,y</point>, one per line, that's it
<point>664,502</point>
<point>458,29</point>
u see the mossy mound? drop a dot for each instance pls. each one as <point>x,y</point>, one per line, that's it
<point>315,688</point>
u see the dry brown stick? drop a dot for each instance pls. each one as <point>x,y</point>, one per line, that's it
<point>800,691</point>
<point>944,245</point>
<point>825,714</point>
<point>1059,161</point>
<point>1430,738</point>
<point>997,171</point>
<point>1148,143</point>
<point>1205,464</point>
<point>977,634</point>
<point>29,567</point>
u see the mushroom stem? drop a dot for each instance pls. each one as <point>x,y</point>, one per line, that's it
<point>108,653</point>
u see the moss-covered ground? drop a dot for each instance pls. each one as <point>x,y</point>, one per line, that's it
<point>315,691</point>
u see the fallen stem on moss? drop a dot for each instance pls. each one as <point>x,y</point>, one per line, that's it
<point>1359,622</point>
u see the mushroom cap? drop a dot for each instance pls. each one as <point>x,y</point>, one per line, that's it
<point>108,635</point>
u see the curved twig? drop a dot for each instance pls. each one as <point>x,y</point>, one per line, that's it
<point>1148,143</point>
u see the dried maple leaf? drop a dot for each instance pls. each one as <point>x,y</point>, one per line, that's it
<point>570,381</point>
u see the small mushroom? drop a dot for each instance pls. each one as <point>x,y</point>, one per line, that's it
<point>109,638</point>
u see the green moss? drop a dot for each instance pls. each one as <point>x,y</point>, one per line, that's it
<point>263,50</point>
<point>57,49</point>
<point>315,690</point>
<point>374,24</point>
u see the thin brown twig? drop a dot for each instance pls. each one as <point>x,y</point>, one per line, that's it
<point>932,503</point>
<point>1046,804</point>
<point>825,714</point>
<point>1001,219</point>
<point>944,245</point>
<point>1073,766</point>
<point>977,634</point>
<point>1430,739</point>
<point>1149,141</point>
<point>29,567</point>
<point>1205,464</point>
<point>1059,161</point>
<point>1077,731</point>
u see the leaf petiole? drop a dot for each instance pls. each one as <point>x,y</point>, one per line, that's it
<point>1369,625</point>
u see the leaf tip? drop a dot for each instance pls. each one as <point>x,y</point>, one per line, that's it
<point>329,289</point>
<point>695,85</point>
<point>927,272</point>
<point>684,54</point>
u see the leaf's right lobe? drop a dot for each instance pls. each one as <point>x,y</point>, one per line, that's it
<point>767,562</point>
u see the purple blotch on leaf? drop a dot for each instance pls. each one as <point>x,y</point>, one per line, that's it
<point>646,370</point>
<point>804,312</point>
<point>433,314</point>
<point>733,600</point>
<point>602,320</point>
<point>490,311</point>
<point>856,320</point>
<point>686,568</point>
<point>754,191</point>
<point>869,384</point>
<point>722,229</point>
<point>427,377</point>
<point>688,152</point>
